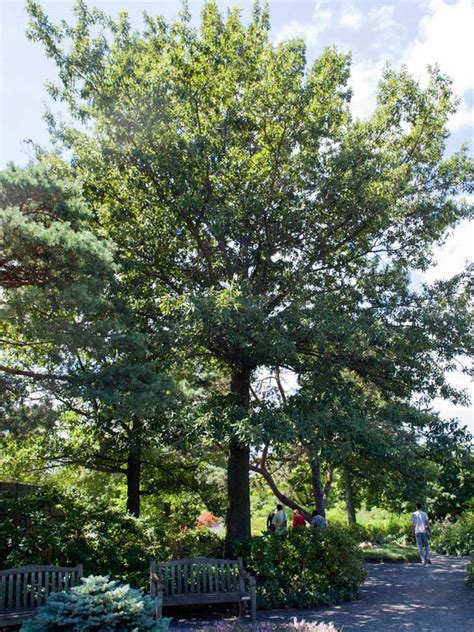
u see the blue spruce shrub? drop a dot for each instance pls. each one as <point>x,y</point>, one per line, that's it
<point>99,604</point>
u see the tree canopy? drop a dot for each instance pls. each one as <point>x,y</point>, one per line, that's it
<point>254,224</point>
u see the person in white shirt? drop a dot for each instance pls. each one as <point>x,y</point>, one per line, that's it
<point>421,525</point>
<point>280,520</point>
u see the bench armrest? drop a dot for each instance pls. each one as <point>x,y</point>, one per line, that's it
<point>156,586</point>
<point>250,578</point>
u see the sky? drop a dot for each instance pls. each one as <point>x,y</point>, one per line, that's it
<point>416,33</point>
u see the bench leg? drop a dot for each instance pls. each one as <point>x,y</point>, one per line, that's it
<point>253,600</point>
<point>159,607</point>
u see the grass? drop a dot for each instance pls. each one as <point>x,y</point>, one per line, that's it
<point>391,553</point>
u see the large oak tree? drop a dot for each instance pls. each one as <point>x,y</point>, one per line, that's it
<point>237,186</point>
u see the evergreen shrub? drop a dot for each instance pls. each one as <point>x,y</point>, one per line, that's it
<point>99,604</point>
<point>306,568</point>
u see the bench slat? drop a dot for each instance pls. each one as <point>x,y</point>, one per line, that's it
<point>182,600</point>
<point>10,592</point>
<point>186,579</point>
<point>18,592</point>
<point>32,590</point>
<point>200,570</point>
<point>40,588</point>
<point>3,596</point>
<point>25,589</point>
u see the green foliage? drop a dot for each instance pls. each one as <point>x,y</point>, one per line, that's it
<point>65,529</point>
<point>306,568</point>
<point>45,229</point>
<point>470,575</point>
<point>254,222</point>
<point>454,538</point>
<point>391,553</point>
<point>396,532</point>
<point>98,604</point>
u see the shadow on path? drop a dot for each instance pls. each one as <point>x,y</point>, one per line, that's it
<point>395,597</point>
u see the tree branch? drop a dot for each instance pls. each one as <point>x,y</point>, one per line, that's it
<point>33,375</point>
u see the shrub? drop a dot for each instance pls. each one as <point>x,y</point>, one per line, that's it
<point>98,604</point>
<point>383,533</point>
<point>65,529</point>
<point>470,575</point>
<point>306,568</point>
<point>454,538</point>
<point>207,520</point>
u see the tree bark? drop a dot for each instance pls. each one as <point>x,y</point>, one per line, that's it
<point>318,492</point>
<point>133,476</point>
<point>238,483</point>
<point>328,484</point>
<point>349,494</point>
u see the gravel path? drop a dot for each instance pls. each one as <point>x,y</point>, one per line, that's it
<point>395,597</point>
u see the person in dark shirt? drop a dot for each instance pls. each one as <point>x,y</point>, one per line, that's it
<point>270,525</point>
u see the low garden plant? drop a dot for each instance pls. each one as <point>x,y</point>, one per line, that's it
<point>293,626</point>
<point>390,552</point>
<point>305,568</point>
<point>454,538</point>
<point>98,604</point>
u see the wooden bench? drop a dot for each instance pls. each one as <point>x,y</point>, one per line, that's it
<point>23,590</point>
<point>202,580</point>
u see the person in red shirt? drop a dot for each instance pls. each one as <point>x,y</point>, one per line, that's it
<point>298,520</point>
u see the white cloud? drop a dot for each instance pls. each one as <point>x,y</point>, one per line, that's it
<point>383,17</point>
<point>448,410</point>
<point>351,18</point>
<point>364,80</point>
<point>452,256</point>
<point>321,19</point>
<point>445,37</point>
<point>293,29</point>
<point>322,13</point>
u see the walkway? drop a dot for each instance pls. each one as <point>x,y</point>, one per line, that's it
<point>395,597</point>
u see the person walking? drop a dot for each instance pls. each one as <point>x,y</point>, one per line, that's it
<point>298,519</point>
<point>421,525</point>
<point>270,525</point>
<point>317,520</point>
<point>280,520</point>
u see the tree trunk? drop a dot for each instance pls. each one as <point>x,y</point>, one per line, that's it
<point>133,476</point>
<point>318,492</point>
<point>238,484</point>
<point>349,493</point>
